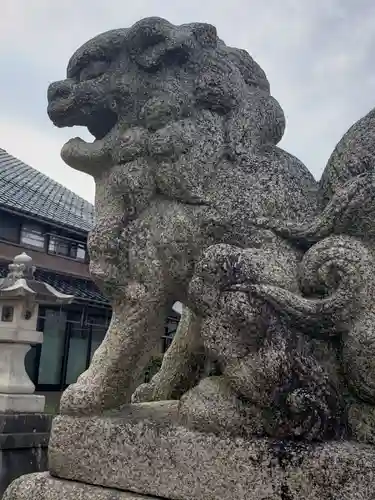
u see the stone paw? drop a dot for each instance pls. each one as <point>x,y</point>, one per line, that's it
<point>152,391</point>
<point>144,393</point>
<point>79,399</point>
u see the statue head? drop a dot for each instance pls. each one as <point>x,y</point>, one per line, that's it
<point>151,76</point>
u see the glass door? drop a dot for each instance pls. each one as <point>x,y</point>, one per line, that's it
<point>52,350</point>
<point>78,347</point>
<point>71,336</point>
<point>98,325</point>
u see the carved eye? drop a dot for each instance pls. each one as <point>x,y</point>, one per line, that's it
<point>93,70</point>
<point>176,57</point>
<point>159,55</point>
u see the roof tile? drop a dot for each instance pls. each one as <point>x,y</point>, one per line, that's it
<point>24,189</point>
<point>82,289</point>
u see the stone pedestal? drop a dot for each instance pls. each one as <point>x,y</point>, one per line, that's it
<point>16,388</point>
<point>143,450</point>
<point>23,445</point>
<point>44,487</point>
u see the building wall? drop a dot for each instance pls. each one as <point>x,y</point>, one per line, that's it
<point>71,333</point>
<point>42,260</point>
<point>71,336</point>
<point>50,247</point>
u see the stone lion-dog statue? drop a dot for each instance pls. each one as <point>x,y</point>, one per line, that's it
<point>196,203</point>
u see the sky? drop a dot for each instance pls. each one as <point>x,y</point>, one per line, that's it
<point>318,56</point>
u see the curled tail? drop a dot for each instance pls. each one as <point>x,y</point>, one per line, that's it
<point>334,277</point>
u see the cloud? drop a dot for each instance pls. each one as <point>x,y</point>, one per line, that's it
<point>317,55</point>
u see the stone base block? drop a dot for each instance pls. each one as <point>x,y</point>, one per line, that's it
<point>21,403</point>
<point>23,445</point>
<point>45,487</point>
<point>142,449</point>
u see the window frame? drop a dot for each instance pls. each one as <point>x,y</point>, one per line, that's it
<point>72,246</point>
<point>35,229</point>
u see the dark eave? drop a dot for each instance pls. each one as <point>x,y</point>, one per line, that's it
<point>83,290</point>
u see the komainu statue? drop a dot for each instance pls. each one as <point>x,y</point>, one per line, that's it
<point>195,202</point>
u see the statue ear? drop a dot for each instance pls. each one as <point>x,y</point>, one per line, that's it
<point>206,34</point>
<point>168,44</point>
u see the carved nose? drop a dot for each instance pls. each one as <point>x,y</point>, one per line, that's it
<point>59,90</point>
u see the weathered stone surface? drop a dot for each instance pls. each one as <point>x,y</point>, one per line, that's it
<point>186,134</point>
<point>146,452</point>
<point>45,487</point>
<point>333,470</point>
<point>351,158</point>
<point>196,203</point>
<point>23,445</point>
<point>142,449</point>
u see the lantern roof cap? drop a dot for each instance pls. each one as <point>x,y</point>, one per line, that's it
<point>20,283</point>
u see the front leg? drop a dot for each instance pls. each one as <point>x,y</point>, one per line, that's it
<point>135,329</point>
<point>178,372</point>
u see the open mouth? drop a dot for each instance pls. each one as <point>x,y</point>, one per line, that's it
<point>77,153</point>
<point>99,123</point>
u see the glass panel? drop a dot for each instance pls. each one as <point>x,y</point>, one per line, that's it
<point>98,334</point>
<point>58,246</point>
<point>10,227</point>
<point>73,250</point>
<point>32,235</point>
<point>63,246</point>
<point>98,322</point>
<point>169,332</point>
<point>81,253</point>
<point>52,348</point>
<point>96,319</point>
<point>77,355</point>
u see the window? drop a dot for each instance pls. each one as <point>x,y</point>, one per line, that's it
<point>81,252</point>
<point>169,332</point>
<point>77,353</point>
<point>7,313</point>
<point>65,247</point>
<point>98,324</point>
<point>58,246</point>
<point>10,226</point>
<point>32,235</point>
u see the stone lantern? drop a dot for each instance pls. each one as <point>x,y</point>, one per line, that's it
<point>20,297</point>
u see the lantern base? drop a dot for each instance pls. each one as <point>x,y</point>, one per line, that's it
<point>21,403</point>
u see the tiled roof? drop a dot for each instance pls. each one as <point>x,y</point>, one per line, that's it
<point>82,289</point>
<point>24,189</point>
